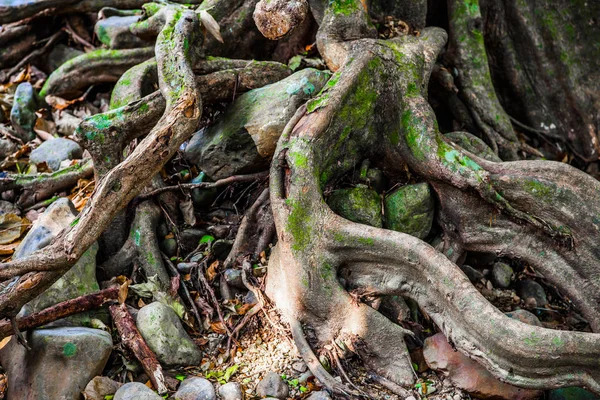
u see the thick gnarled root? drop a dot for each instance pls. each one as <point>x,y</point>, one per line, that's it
<point>316,248</point>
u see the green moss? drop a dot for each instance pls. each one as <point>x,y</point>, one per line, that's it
<point>538,189</point>
<point>344,7</point>
<point>299,225</point>
<point>299,159</point>
<point>144,107</point>
<point>69,349</point>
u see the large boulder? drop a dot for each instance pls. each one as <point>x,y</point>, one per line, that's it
<point>467,374</point>
<point>244,139</point>
<point>78,281</point>
<point>59,365</point>
<point>409,209</point>
<point>162,330</point>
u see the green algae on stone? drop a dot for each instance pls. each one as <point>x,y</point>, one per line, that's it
<point>410,209</point>
<point>473,144</point>
<point>359,204</point>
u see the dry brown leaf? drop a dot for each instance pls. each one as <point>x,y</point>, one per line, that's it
<point>4,342</point>
<point>11,227</point>
<point>123,291</point>
<point>210,24</point>
<point>212,271</point>
<point>244,309</point>
<point>218,327</point>
<point>8,249</point>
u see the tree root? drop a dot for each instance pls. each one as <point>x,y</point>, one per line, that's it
<point>317,249</point>
<point>60,310</point>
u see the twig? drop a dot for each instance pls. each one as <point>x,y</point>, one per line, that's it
<point>184,289</point>
<point>340,368</point>
<point>61,310</point>
<point>391,386</point>
<point>205,185</point>
<point>131,338</point>
<point>36,53</point>
<point>213,297</point>
<point>78,38</point>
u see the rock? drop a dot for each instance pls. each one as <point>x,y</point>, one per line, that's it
<point>231,391</point>
<point>221,248</point>
<point>233,277</point>
<point>473,144</point>
<point>359,204</point>
<point>319,396</point>
<point>66,123</point>
<point>203,198</point>
<point>100,387</point>
<point>54,151</point>
<point>250,298</point>
<point>299,366</point>
<point>467,374</point>
<point>409,209</point>
<point>185,268</point>
<point>244,139</point>
<point>272,385</point>
<point>195,388</point>
<point>501,274</point>
<point>78,281</point>
<point>164,333</point>
<point>189,239</point>
<point>22,114</point>
<point>57,216</point>
<point>59,366</point>
<point>136,391</point>
<point>7,147</point>
<point>471,273</point>
<point>571,393</point>
<point>59,55</point>
<point>169,247</point>
<point>532,293</point>
<point>114,32</point>
<point>525,317</point>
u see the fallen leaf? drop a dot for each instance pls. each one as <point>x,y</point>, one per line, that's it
<point>8,249</point>
<point>123,291</point>
<point>218,327</point>
<point>4,342</point>
<point>11,227</point>
<point>187,209</point>
<point>212,271</point>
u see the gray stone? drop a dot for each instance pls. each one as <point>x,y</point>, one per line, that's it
<point>59,366</point>
<point>409,209</point>
<point>195,388</point>
<point>250,298</point>
<point>231,391</point>
<point>22,114</point>
<point>136,391</point>
<point>501,274</point>
<point>525,317</point>
<point>7,147</point>
<point>165,335</point>
<point>359,204</point>
<point>59,55</point>
<point>299,366</point>
<point>54,151</point>
<point>114,32</point>
<point>272,385</point>
<point>319,396</point>
<point>473,274</point>
<point>189,239</point>
<point>221,248</point>
<point>532,293</point>
<point>473,144</point>
<point>169,246</point>
<point>244,139</point>
<point>78,281</point>
<point>234,278</point>
<point>57,216</point>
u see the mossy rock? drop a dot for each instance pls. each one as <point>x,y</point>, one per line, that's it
<point>571,393</point>
<point>359,204</point>
<point>410,209</point>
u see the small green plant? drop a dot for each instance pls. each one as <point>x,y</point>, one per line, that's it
<point>222,376</point>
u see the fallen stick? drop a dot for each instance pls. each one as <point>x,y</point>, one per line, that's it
<point>137,345</point>
<point>60,310</point>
